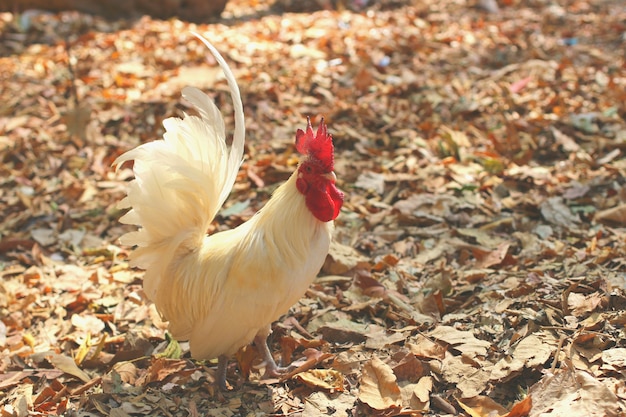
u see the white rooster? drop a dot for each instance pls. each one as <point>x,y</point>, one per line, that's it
<point>223,291</point>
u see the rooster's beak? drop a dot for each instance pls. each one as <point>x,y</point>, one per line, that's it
<point>331,177</point>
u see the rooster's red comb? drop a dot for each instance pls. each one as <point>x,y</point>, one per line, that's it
<point>319,147</point>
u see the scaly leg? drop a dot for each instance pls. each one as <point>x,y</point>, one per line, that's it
<point>220,377</point>
<point>271,369</point>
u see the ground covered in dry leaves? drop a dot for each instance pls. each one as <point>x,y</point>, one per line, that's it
<point>481,252</point>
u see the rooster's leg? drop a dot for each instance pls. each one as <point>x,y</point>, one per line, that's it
<point>271,368</point>
<point>220,378</point>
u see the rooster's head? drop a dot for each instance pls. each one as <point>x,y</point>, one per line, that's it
<point>316,179</point>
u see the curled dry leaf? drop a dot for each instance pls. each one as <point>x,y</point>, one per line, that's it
<point>482,406</point>
<point>127,372</point>
<point>326,379</point>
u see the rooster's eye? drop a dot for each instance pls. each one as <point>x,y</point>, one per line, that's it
<point>308,169</point>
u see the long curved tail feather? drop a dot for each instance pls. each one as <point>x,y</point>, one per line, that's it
<point>236,154</point>
<point>181,181</point>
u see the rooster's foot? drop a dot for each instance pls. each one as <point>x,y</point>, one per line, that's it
<point>272,370</point>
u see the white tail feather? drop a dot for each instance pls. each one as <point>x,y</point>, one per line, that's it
<point>182,181</point>
<point>236,153</point>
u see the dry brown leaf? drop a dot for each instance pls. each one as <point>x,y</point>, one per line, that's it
<point>493,258</point>
<point>423,347</point>
<point>463,341</point>
<point>406,366</point>
<point>20,401</point>
<point>45,237</point>
<point>427,208</point>
<point>379,337</point>
<point>160,369</point>
<point>533,350</point>
<point>555,211</point>
<point>127,371</point>
<point>614,215</point>
<point>471,378</point>
<point>416,396</point>
<point>345,331</point>
<point>341,259</point>
<point>88,323</point>
<point>67,365</point>
<point>313,357</point>
<point>77,119</point>
<point>483,237</point>
<point>322,403</point>
<point>349,362</point>
<point>482,406</point>
<point>363,80</point>
<point>572,393</point>
<point>581,305</point>
<point>378,388</point>
<point>565,141</point>
<point>326,379</point>
<point>614,359</point>
<point>9,379</point>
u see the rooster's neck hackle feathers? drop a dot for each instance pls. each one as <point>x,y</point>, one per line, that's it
<point>318,147</point>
